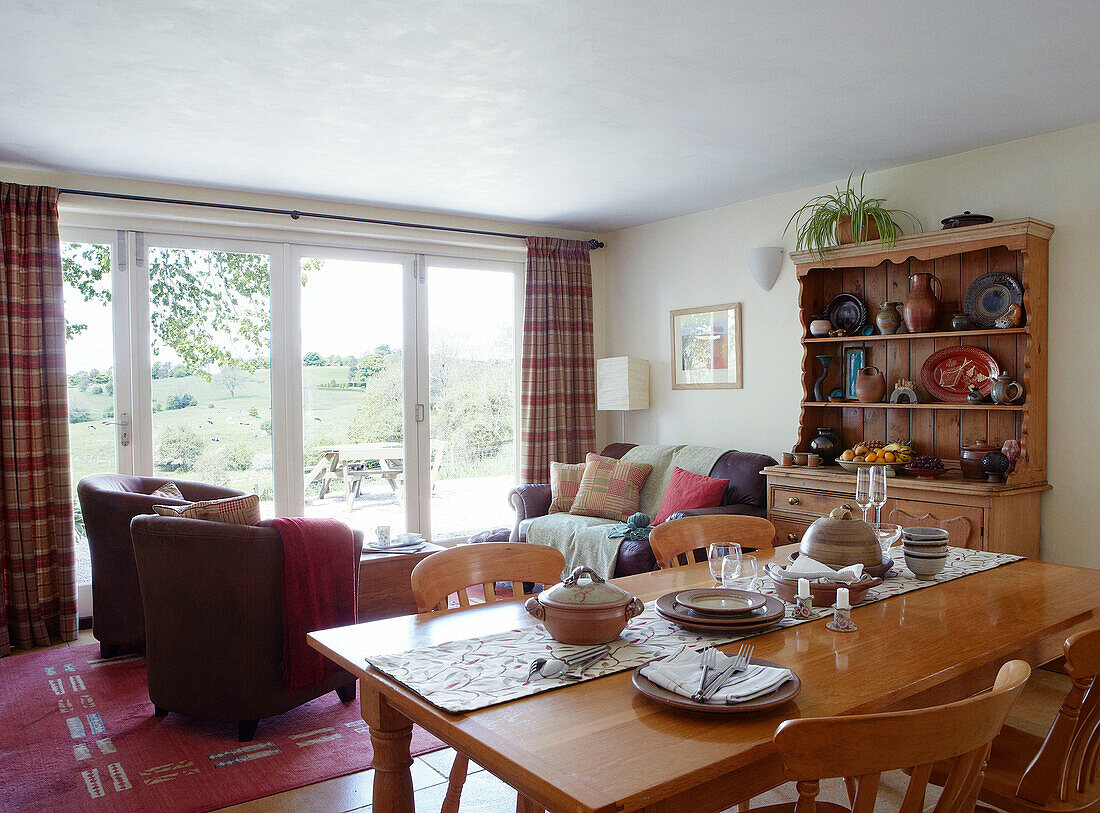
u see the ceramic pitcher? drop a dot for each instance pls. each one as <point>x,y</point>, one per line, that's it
<point>923,302</point>
<point>1006,390</point>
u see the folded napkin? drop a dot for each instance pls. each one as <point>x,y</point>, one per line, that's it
<point>679,673</point>
<point>803,567</point>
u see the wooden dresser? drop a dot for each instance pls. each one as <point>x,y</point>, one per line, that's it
<point>992,516</point>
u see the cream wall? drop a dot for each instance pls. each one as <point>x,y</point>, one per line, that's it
<point>699,260</point>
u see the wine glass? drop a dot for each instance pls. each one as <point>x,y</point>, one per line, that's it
<point>741,573</point>
<point>887,534</point>
<point>717,553</point>
<point>878,491</point>
<point>863,490</point>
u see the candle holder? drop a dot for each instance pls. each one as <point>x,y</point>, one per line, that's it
<point>803,607</point>
<point>842,620</point>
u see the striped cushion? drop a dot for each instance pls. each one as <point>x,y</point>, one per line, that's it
<point>169,489</point>
<point>231,510</point>
<point>610,488</point>
<point>565,482</point>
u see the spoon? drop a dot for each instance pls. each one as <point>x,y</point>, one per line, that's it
<point>558,667</point>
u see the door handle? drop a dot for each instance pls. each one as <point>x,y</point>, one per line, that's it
<point>124,433</point>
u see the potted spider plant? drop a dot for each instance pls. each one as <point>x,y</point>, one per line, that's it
<point>847,216</point>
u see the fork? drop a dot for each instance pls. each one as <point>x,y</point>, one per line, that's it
<point>739,663</point>
<point>707,662</point>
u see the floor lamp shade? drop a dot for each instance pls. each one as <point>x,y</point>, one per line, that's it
<point>622,383</point>
<point>764,264</point>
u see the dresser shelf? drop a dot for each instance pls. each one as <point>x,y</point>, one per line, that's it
<point>931,405</point>
<point>914,337</point>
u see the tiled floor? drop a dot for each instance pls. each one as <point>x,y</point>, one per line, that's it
<point>484,793</point>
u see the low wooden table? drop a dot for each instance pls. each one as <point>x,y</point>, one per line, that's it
<point>384,587</point>
<point>602,746</point>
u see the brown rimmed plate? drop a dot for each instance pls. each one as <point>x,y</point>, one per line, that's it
<point>948,374</point>
<point>784,694</point>
<point>722,629</point>
<point>771,611</point>
<point>721,601</point>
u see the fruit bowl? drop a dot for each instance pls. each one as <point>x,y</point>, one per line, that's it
<point>926,474</point>
<point>856,465</point>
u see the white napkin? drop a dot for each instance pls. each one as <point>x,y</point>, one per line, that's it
<point>803,567</point>
<point>680,674</point>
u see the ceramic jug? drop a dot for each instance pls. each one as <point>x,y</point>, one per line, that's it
<point>1006,390</point>
<point>923,302</point>
<point>870,385</point>
<point>888,319</point>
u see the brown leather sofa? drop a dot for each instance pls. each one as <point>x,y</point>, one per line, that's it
<point>746,494</point>
<point>212,595</point>
<point>108,502</point>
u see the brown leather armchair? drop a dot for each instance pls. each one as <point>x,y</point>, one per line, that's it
<point>213,612</point>
<point>108,502</point>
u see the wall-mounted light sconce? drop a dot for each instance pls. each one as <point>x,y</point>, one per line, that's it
<point>764,265</point>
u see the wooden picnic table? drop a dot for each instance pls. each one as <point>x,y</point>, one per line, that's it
<point>356,462</point>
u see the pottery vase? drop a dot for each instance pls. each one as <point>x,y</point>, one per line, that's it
<point>888,319</point>
<point>970,459</point>
<point>870,385</point>
<point>820,326</point>
<point>1006,390</point>
<point>960,321</point>
<point>922,304</point>
<point>827,444</point>
<point>819,384</point>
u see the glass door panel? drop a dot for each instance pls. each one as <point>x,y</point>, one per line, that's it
<point>472,395</point>
<point>353,391</point>
<point>210,368</point>
<point>90,367</point>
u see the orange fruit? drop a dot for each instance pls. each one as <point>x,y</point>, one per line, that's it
<point>889,457</point>
<point>870,458</point>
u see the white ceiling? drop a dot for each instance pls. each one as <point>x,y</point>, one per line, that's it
<point>578,113</point>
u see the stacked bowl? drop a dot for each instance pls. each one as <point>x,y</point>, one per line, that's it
<point>925,551</point>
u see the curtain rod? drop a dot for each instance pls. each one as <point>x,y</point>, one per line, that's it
<point>296,214</point>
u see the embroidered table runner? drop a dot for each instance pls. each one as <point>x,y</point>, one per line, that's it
<point>478,672</point>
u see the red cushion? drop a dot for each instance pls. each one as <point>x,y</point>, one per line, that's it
<point>687,490</point>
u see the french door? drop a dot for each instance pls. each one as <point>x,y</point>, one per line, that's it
<point>377,387</point>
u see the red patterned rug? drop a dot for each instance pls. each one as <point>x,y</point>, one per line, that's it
<point>78,733</point>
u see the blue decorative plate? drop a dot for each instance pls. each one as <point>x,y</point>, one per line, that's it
<point>990,296</point>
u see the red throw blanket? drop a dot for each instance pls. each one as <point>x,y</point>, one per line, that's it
<point>318,592</point>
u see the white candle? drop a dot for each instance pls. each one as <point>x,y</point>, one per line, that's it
<point>803,588</point>
<point>842,599</point>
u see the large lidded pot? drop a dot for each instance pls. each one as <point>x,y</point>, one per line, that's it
<point>584,609</point>
<point>840,539</point>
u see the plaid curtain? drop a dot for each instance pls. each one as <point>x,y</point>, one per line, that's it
<point>37,565</point>
<point>558,398</point>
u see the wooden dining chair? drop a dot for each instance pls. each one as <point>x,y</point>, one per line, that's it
<point>677,538</point>
<point>454,571</point>
<point>863,746</point>
<point>1058,773</point>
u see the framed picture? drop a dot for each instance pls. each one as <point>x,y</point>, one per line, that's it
<point>706,347</point>
<point>855,359</point>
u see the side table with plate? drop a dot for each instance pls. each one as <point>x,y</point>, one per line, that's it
<point>384,582</point>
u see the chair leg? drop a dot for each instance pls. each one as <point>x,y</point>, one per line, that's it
<point>159,712</point>
<point>455,780</point>
<point>246,730</point>
<point>346,692</point>
<point>525,805</point>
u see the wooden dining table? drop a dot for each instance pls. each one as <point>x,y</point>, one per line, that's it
<point>602,746</point>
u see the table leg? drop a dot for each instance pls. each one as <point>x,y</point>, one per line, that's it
<point>391,736</point>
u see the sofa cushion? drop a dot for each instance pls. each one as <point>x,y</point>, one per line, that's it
<point>610,488</point>
<point>169,490</point>
<point>687,490</point>
<point>565,482</point>
<point>231,510</point>
<point>696,459</point>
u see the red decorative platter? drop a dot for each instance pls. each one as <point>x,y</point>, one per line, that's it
<point>948,373</point>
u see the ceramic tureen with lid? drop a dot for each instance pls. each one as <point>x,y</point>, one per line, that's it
<point>584,609</point>
<point>839,540</point>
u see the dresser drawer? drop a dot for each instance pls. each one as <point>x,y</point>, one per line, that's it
<point>812,503</point>
<point>788,531</point>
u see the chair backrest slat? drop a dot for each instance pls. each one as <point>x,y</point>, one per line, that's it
<point>679,537</point>
<point>958,734</point>
<point>456,569</point>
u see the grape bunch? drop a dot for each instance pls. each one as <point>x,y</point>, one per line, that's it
<point>925,462</point>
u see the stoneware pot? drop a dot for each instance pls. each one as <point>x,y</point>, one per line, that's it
<point>820,326</point>
<point>960,321</point>
<point>870,385</point>
<point>584,609</point>
<point>888,318</point>
<point>995,465</point>
<point>922,304</point>
<point>1006,390</point>
<point>827,444</point>
<point>840,539</point>
<point>970,460</point>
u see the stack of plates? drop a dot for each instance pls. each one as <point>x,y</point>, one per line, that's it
<point>405,543</point>
<point>720,609</point>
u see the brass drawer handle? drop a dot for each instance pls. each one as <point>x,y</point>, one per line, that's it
<point>792,537</point>
<point>845,506</point>
<point>792,500</point>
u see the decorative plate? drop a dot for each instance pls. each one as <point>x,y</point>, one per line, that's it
<point>770,613</point>
<point>990,296</point>
<point>786,692</point>
<point>721,601</point>
<point>948,373</point>
<point>848,312</point>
